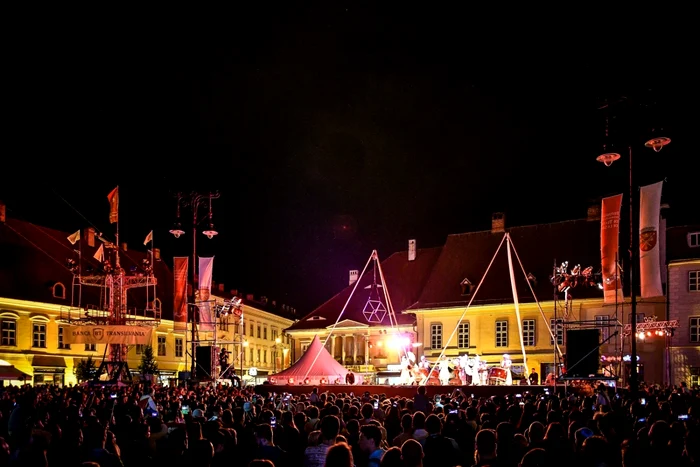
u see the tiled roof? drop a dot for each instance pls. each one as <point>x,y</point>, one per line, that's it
<point>33,258</point>
<point>405,279</point>
<point>539,247</point>
<point>677,241</point>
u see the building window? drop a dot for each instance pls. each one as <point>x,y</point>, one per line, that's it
<point>501,333</point>
<point>59,290</point>
<point>9,331</point>
<point>436,336</point>
<point>252,330</point>
<point>694,329</point>
<point>258,331</point>
<point>694,239</point>
<point>61,343</point>
<point>258,360</point>
<point>39,335</point>
<point>557,328</point>
<point>265,356</point>
<point>694,281</point>
<point>463,337</point>
<point>603,322</point>
<point>139,349</point>
<point>223,323</point>
<point>265,333</point>
<point>529,332</point>
<point>178,347</point>
<point>694,377</point>
<point>91,347</point>
<point>161,346</point>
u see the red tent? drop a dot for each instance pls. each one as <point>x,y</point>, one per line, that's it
<point>309,366</point>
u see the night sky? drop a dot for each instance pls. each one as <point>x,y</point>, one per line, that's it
<point>336,131</point>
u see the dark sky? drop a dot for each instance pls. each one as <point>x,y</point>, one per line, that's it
<point>336,131</point>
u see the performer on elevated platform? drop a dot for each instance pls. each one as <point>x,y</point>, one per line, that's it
<point>506,364</point>
<point>444,374</point>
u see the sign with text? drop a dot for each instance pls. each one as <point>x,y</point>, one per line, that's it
<point>108,335</point>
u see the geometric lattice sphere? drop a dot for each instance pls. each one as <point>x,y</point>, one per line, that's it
<point>374,311</point>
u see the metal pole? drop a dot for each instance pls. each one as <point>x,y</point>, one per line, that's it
<point>194,287</point>
<point>634,264</point>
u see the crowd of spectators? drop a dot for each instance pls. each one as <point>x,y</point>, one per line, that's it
<point>211,425</point>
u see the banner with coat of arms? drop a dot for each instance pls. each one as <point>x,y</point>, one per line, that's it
<point>90,334</point>
<point>649,249</point>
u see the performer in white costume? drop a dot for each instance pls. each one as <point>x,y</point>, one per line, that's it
<point>506,363</point>
<point>444,375</point>
<point>463,368</point>
<point>405,377</point>
<point>476,366</point>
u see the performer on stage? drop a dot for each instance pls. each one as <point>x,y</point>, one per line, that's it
<point>444,374</point>
<point>405,371</point>
<point>463,368</point>
<point>476,374</point>
<point>506,364</point>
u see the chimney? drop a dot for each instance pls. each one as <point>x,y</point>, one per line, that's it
<point>354,275</point>
<point>412,250</point>
<point>221,287</point>
<point>124,247</point>
<point>593,213</point>
<point>498,222</point>
<point>90,236</point>
<point>3,213</point>
<point>156,254</point>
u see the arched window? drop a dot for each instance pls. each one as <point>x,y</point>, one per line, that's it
<point>8,328</point>
<point>39,331</point>
<point>59,290</point>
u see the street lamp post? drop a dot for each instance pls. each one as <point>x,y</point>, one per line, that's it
<point>633,269</point>
<point>194,201</point>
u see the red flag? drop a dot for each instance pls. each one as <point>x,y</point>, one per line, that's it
<point>113,198</point>
<point>609,243</point>
<point>180,293</point>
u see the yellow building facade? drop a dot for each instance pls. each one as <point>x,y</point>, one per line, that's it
<point>256,339</point>
<point>32,341</point>
<point>491,331</point>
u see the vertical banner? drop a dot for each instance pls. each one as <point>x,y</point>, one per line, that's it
<point>649,258</point>
<point>180,293</point>
<point>207,320</point>
<point>609,244</point>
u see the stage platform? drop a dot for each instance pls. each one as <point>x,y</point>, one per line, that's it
<point>404,391</point>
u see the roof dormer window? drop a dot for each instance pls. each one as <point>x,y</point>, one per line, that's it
<point>467,286</point>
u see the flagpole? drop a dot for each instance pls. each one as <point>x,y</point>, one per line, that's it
<point>117,246</point>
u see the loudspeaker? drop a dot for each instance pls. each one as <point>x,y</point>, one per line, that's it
<point>582,352</point>
<point>203,370</point>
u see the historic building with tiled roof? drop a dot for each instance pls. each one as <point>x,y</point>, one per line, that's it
<point>460,299</point>
<point>38,292</point>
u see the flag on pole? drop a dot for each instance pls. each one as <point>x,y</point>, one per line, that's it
<point>113,198</point>
<point>609,244</point>
<point>180,293</point>
<point>649,257</point>
<point>73,238</point>
<point>207,318</point>
<point>149,238</point>
<point>100,254</point>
